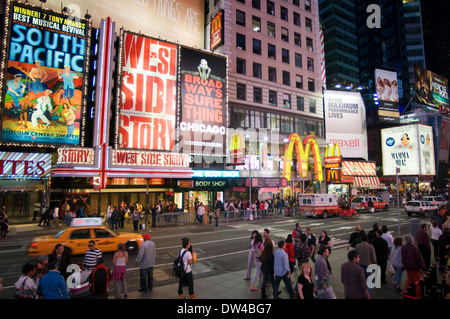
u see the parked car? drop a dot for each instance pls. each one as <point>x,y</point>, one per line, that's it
<point>436,200</point>
<point>420,207</point>
<point>361,203</point>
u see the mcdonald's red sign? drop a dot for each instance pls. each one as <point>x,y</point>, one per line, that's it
<point>216,38</point>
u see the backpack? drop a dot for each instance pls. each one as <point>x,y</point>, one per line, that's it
<point>178,266</point>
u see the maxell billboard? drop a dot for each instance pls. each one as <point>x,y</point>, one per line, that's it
<point>345,123</point>
<point>203,105</point>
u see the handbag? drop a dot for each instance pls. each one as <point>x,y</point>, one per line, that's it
<point>258,252</point>
<point>326,294</point>
<point>24,293</point>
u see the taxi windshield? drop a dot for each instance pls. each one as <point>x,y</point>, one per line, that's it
<point>357,200</point>
<point>59,234</point>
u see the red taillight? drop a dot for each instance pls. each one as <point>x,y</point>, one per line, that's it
<point>34,245</point>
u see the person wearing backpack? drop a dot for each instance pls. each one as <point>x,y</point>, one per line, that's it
<point>187,260</point>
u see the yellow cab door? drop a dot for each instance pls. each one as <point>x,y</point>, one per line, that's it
<point>78,240</point>
<point>105,240</point>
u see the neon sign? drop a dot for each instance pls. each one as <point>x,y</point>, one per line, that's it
<point>303,152</point>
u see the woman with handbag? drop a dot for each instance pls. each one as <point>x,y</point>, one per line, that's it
<point>258,249</point>
<point>26,287</point>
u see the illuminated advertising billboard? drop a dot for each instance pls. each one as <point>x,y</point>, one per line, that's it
<point>431,89</point>
<point>345,123</point>
<point>147,96</point>
<point>409,148</point>
<point>44,76</point>
<point>386,85</point>
<point>172,20</point>
<point>217,30</point>
<point>203,105</point>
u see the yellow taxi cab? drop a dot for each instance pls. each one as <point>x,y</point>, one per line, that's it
<point>76,237</point>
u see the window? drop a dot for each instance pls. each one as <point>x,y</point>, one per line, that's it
<point>286,78</point>
<point>240,66</point>
<point>271,51</point>
<point>271,8</point>
<point>241,92</point>
<point>272,74</point>
<point>287,124</point>
<point>312,105</point>
<point>240,41</point>
<point>80,234</point>
<point>102,233</point>
<point>256,24</point>
<point>240,18</point>
<point>300,106</point>
<point>297,39</point>
<point>241,1</point>
<point>285,34</point>
<point>239,117</point>
<point>299,81</point>
<point>308,24</point>
<point>285,55</point>
<point>257,71</point>
<point>296,2</point>
<point>284,13</point>
<point>286,101</point>
<point>311,85</point>
<point>273,121</point>
<point>273,98</point>
<point>271,29</point>
<point>257,119</point>
<point>257,46</point>
<point>256,4</point>
<point>257,95</point>
<point>298,60</point>
<point>308,5</point>
<point>309,44</point>
<point>310,62</point>
<point>297,19</point>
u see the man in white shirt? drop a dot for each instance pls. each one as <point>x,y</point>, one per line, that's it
<point>188,260</point>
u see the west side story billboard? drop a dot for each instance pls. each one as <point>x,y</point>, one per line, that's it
<point>203,106</point>
<point>147,96</point>
<point>44,77</point>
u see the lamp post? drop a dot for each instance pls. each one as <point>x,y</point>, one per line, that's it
<point>250,171</point>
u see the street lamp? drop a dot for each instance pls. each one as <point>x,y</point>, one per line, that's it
<point>250,171</point>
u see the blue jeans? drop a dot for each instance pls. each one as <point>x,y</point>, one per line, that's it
<point>398,275</point>
<point>287,283</point>
<point>187,280</point>
<point>146,279</point>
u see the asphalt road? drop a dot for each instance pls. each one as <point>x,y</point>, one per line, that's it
<point>219,250</point>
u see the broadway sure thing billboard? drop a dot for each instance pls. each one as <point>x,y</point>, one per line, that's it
<point>345,123</point>
<point>409,148</point>
<point>44,76</point>
<point>203,105</point>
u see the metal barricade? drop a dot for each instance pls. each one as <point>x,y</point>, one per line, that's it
<point>168,219</point>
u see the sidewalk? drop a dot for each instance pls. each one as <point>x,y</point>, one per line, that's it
<point>230,285</point>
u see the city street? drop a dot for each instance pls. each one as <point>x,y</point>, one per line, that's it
<point>220,251</point>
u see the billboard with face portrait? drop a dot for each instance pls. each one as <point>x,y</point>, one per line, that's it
<point>431,89</point>
<point>44,77</point>
<point>409,148</point>
<point>147,93</point>
<point>386,84</point>
<point>203,104</point>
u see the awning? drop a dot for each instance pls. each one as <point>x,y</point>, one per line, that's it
<point>366,181</point>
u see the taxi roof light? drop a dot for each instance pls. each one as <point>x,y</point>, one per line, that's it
<point>84,222</point>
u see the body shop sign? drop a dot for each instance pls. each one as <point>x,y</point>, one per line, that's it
<point>148,93</point>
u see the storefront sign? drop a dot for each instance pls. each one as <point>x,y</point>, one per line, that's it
<point>149,159</point>
<point>77,156</point>
<point>216,174</point>
<point>217,30</point>
<point>24,165</point>
<point>303,152</point>
<point>210,184</point>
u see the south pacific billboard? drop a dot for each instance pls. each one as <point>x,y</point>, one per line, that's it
<point>147,95</point>
<point>409,148</point>
<point>44,76</point>
<point>203,104</point>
